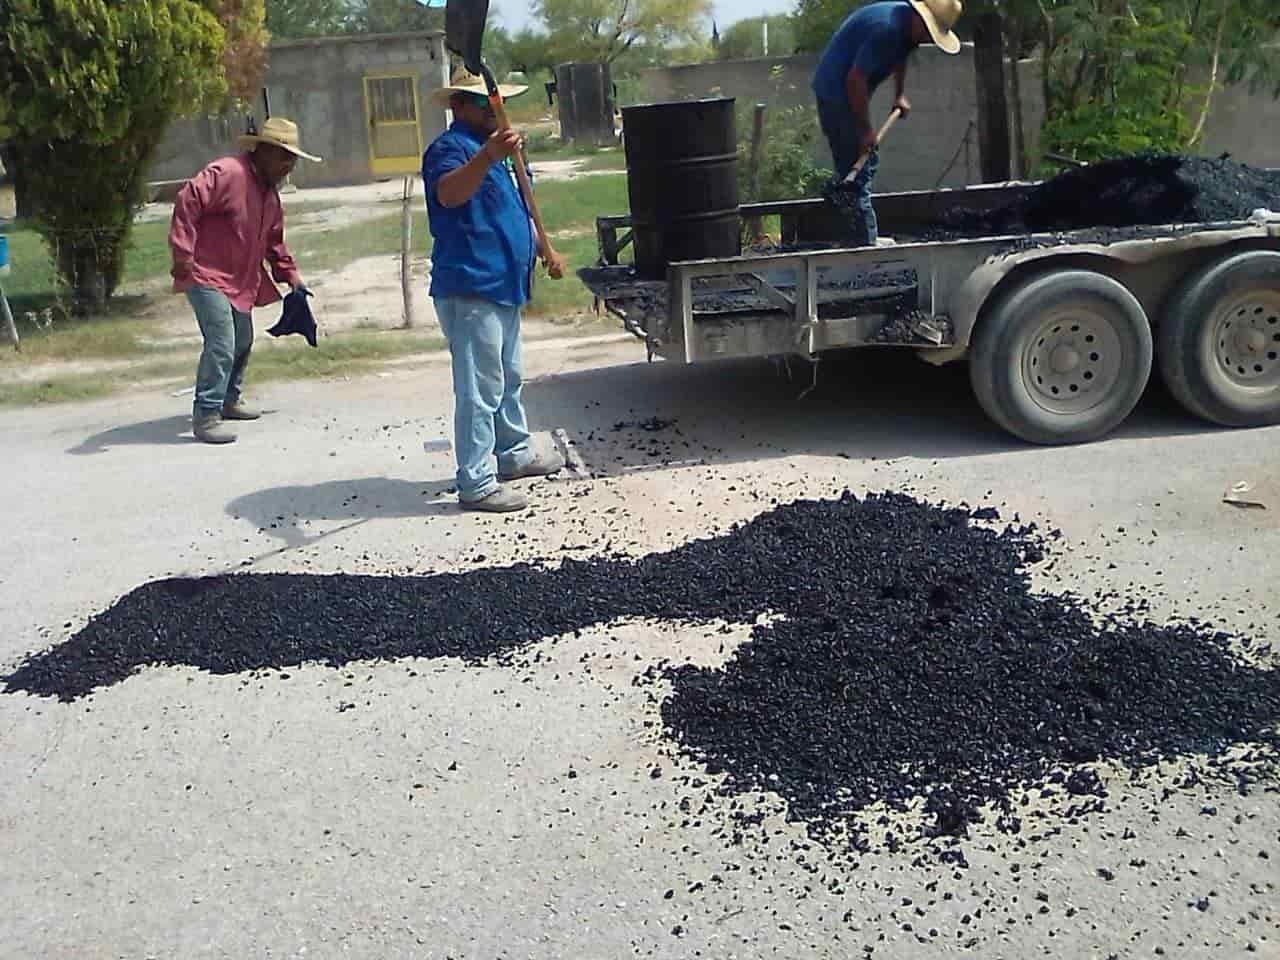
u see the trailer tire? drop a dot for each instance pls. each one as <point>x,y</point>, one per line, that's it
<point>1219,341</point>
<point>1062,358</point>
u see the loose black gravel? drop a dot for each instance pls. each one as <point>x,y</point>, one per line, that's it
<point>904,655</point>
<point>1126,192</point>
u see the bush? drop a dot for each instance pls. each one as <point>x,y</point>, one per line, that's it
<point>92,88</point>
<point>787,168</point>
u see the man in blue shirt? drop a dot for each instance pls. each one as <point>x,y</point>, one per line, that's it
<point>873,42</point>
<point>482,269</point>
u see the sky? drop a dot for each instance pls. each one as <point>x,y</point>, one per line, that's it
<point>515,13</point>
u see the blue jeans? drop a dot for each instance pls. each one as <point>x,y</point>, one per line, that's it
<point>488,417</point>
<point>228,338</point>
<point>846,146</point>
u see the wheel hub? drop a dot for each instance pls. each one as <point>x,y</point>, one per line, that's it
<point>1247,339</point>
<point>1064,359</point>
<point>1072,361</point>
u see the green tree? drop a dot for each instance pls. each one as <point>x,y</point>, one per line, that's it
<point>531,52</point>
<point>1122,76</point>
<point>816,20</point>
<point>90,88</point>
<point>244,51</point>
<point>1116,76</point>
<point>601,31</point>
<point>395,16</point>
<point>296,19</point>
<point>746,38</point>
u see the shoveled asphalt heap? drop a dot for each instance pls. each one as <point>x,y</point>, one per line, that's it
<point>1132,191</point>
<point>904,657</point>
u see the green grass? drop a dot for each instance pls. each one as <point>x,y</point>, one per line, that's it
<point>566,204</point>
<point>569,209</point>
<point>32,283</point>
<point>343,354</point>
<point>567,296</point>
<point>531,107</point>
<point>610,159</point>
<point>148,258</point>
<point>329,248</point>
<point>594,158</point>
<point>62,388</point>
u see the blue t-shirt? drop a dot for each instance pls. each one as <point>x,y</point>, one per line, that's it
<point>875,39</point>
<point>485,247</point>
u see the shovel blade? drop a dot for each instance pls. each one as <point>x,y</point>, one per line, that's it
<point>464,30</point>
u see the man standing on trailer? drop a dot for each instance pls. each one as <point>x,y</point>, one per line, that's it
<point>481,277</point>
<point>874,41</point>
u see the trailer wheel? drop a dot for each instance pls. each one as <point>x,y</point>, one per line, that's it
<point>1219,342</point>
<point>1063,358</point>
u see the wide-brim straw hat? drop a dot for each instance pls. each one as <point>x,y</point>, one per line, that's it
<point>939,17</point>
<point>278,132</point>
<point>464,81</point>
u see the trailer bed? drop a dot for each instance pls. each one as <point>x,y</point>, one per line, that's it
<point>809,294</point>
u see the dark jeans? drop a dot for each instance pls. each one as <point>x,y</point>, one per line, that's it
<point>846,144</point>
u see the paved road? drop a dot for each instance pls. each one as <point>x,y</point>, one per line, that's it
<point>426,809</point>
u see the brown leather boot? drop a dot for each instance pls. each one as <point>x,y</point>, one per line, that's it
<point>239,410</point>
<point>209,428</point>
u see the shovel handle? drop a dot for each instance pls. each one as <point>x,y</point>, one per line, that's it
<point>522,173</point>
<point>894,114</point>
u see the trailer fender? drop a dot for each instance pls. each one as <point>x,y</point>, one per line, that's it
<point>986,281</point>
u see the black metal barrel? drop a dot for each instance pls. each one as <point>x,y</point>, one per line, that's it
<point>682,177</point>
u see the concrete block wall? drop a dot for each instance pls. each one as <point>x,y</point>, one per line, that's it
<point>319,84</point>
<point>943,93</point>
<point>936,145</point>
<point>1243,124</point>
<point>1240,122</point>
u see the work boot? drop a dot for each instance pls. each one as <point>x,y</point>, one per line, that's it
<point>209,428</point>
<point>238,410</point>
<point>541,465</point>
<point>501,500</point>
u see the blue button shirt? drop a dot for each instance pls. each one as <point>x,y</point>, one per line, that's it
<point>485,247</point>
<point>875,39</point>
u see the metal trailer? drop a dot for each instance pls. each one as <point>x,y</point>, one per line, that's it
<point>1060,330</point>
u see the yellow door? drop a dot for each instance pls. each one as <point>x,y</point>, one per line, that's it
<point>391,109</point>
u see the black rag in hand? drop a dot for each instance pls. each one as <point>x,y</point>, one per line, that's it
<point>297,316</point>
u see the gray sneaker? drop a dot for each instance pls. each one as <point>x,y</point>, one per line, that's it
<point>542,465</point>
<point>501,500</point>
<point>209,428</point>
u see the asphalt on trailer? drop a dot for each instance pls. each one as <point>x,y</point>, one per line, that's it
<point>1103,201</point>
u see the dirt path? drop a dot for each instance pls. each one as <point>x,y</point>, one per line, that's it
<point>364,294</point>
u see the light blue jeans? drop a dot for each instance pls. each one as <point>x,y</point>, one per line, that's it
<point>488,416</point>
<point>228,338</point>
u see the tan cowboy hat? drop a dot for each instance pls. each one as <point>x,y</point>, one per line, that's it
<point>278,132</point>
<point>939,17</point>
<point>464,81</point>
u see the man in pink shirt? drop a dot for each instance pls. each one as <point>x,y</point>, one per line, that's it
<point>227,220</point>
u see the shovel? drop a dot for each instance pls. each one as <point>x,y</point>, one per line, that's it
<point>894,114</point>
<point>464,35</point>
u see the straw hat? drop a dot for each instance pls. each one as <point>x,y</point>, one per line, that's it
<point>278,132</point>
<point>939,17</point>
<point>464,81</point>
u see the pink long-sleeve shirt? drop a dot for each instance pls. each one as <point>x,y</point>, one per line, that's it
<point>226,221</point>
